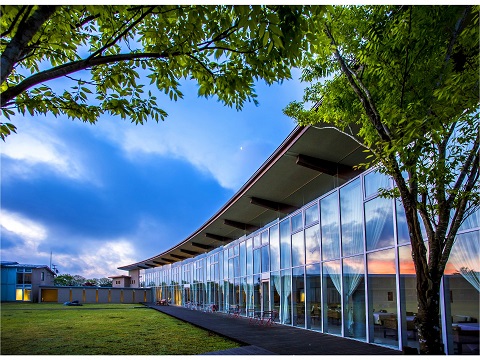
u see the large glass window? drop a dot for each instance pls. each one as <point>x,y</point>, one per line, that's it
<point>243,294</point>
<point>265,259</point>
<point>312,244</point>
<point>243,257</point>
<point>375,181</point>
<point>274,248</point>
<point>379,223</point>
<point>298,288</point>
<point>462,288</point>
<point>285,245</point>
<point>402,227</point>
<point>351,202</point>
<point>257,258</point>
<point>313,290</point>
<point>230,268</point>
<point>275,286</point>
<point>257,300</point>
<point>409,305</point>
<point>264,238</point>
<point>354,297</point>
<point>249,256</point>
<point>330,228</point>
<point>382,295</point>
<point>286,299</point>
<point>331,297</point>
<point>297,222</point>
<point>471,222</point>
<point>250,292</point>
<point>257,241</point>
<point>311,215</point>
<point>298,249</point>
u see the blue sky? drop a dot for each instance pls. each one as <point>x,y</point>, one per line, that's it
<point>110,194</point>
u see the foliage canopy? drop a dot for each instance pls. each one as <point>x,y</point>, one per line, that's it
<point>407,77</point>
<point>100,53</point>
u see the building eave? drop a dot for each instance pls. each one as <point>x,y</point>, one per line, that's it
<point>281,179</point>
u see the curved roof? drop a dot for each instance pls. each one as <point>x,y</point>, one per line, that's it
<point>310,162</point>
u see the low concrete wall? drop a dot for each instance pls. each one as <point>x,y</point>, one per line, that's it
<point>99,295</point>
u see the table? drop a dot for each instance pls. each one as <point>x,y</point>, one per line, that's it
<point>379,316</point>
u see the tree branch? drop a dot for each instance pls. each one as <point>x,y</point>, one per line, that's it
<point>471,159</point>
<point>203,65</point>
<point>21,39</point>
<point>457,30</point>
<point>367,104</point>
<point>228,49</point>
<point>73,67</point>
<point>459,215</point>
<point>14,22</point>
<point>122,34</point>
<point>405,73</point>
<point>346,134</point>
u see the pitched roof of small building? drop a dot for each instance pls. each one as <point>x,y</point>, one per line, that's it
<point>14,264</point>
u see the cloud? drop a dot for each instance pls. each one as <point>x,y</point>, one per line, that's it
<point>37,148</point>
<point>95,260</point>
<point>223,144</point>
<point>213,153</point>
<point>32,242</point>
<point>32,233</point>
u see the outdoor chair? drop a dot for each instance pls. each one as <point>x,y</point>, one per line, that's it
<point>234,311</point>
<point>269,317</point>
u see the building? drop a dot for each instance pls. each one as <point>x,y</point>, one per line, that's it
<point>310,237</point>
<point>21,282</point>
<point>94,294</point>
<point>120,281</point>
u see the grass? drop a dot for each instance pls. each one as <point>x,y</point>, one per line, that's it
<point>100,329</point>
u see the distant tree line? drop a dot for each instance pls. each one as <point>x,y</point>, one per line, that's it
<point>78,280</point>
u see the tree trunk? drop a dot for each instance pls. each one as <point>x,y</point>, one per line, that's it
<point>427,320</point>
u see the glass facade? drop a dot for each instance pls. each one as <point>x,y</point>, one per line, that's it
<point>341,265</point>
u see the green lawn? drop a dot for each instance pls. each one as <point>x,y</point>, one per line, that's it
<point>100,329</point>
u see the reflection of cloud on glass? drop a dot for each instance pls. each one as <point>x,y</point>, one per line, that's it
<point>465,257</point>
<point>353,266</point>
<point>381,262</point>
<point>332,267</point>
<point>330,227</point>
<point>472,221</point>
<point>312,244</point>
<point>379,224</point>
<point>351,201</point>
<point>298,250</point>
<point>406,262</point>
<point>375,181</point>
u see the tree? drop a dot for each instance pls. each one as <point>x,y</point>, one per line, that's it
<point>90,282</point>
<point>63,280</point>
<point>407,76</point>
<point>69,280</point>
<point>98,51</point>
<point>104,282</point>
<point>78,280</point>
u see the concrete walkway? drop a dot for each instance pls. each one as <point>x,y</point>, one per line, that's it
<point>275,339</point>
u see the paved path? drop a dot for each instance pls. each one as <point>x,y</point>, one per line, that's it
<point>276,339</point>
